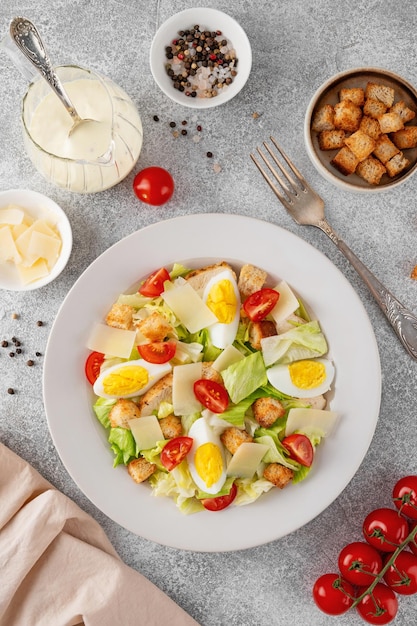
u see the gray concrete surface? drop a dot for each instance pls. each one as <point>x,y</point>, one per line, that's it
<point>297,45</point>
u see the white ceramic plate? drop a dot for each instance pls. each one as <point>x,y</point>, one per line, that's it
<point>196,240</point>
<point>37,206</point>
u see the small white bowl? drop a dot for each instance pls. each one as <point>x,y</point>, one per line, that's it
<point>37,206</point>
<point>212,20</point>
<point>328,93</point>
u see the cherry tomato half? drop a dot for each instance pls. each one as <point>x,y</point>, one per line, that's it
<point>332,594</point>
<point>153,185</point>
<point>359,563</point>
<point>158,351</point>
<point>402,574</point>
<point>300,448</point>
<point>259,304</point>
<point>380,607</point>
<point>154,284</point>
<point>405,496</point>
<point>221,502</point>
<point>175,451</point>
<point>385,529</point>
<point>92,366</point>
<point>211,395</point>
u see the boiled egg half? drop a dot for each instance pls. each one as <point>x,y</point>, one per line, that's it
<point>206,458</point>
<point>129,379</point>
<point>221,295</point>
<point>302,379</point>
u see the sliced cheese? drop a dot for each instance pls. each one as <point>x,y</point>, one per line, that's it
<point>111,341</point>
<point>11,215</point>
<point>311,422</point>
<point>229,356</point>
<point>34,272</point>
<point>287,302</point>
<point>8,249</point>
<point>43,246</point>
<point>19,229</point>
<point>246,459</point>
<point>146,431</point>
<point>183,396</point>
<point>189,307</point>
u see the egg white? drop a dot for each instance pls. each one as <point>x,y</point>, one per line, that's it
<point>222,335</point>
<point>155,373</point>
<point>201,433</point>
<point>279,377</point>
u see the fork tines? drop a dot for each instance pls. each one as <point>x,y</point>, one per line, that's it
<point>291,182</point>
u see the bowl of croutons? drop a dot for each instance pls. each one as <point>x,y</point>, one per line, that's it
<point>361,130</point>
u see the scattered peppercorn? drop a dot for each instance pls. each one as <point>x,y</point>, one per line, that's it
<point>15,316</point>
<point>39,323</point>
<point>14,339</point>
<point>10,391</point>
<point>155,118</point>
<point>183,132</point>
<point>172,124</point>
<point>184,122</point>
<point>11,354</point>
<point>4,344</point>
<point>30,363</point>
<point>17,343</point>
<point>199,128</point>
<point>19,351</point>
<point>209,154</point>
<point>38,353</point>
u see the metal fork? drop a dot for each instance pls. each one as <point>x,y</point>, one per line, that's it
<point>306,207</point>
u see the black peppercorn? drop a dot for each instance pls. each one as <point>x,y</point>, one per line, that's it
<point>30,363</point>
<point>10,391</point>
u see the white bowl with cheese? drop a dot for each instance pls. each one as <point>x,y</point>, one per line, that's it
<point>35,240</point>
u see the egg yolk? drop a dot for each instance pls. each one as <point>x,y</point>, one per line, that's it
<point>221,300</point>
<point>208,462</point>
<point>125,380</point>
<point>307,374</point>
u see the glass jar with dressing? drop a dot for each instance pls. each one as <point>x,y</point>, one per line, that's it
<point>88,160</point>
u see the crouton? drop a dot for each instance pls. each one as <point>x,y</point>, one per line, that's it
<point>199,278</point>
<point>354,94</point>
<point>278,474</point>
<point>360,144</point>
<point>140,469</point>
<point>233,437</point>
<point>120,316</point>
<point>154,327</point>
<point>171,426</point>
<point>403,111</point>
<point>371,170</point>
<point>251,279</point>
<point>323,119</point>
<point>384,94</point>
<point>397,164</point>
<point>266,411</point>
<point>123,411</point>
<point>374,108</point>
<point>347,116</point>
<point>390,122</point>
<point>331,139</point>
<point>385,149</point>
<point>370,126</point>
<point>259,330</point>
<point>405,138</point>
<point>345,161</point>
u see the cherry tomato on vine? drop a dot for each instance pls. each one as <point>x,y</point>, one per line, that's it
<point>154,284</point>
<point>153,185</point>
<point>158,351</point>
<point>300,448</point>
<point>402,574</point>
<point>332,594</point>
<point>359,563</point>
<point>413,544</point>
<point>221,502</point>
<point>211,394</point>
<point>405,496</point>
<point>379,607</point>
<point>385,529</point>
<point>259,304</point>
<point>175,451</point>
<point>92,366</point>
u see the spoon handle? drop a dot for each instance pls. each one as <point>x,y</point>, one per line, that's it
<point>28,40</point>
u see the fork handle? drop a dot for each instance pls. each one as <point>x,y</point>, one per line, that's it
<point>403,321</point>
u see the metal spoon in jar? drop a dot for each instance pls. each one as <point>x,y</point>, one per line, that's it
<point>28,40</point>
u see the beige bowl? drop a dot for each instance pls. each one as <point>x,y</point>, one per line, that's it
<point>328,93</point>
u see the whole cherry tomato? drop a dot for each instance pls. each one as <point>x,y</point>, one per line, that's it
<point>220,502</point>
<point>332,594</point>
<point>175,451</point>
<point>153,185</point>
<point>92,366</point>
<point>405,496</point>
<point>259,304</point>
<point>359,563</point>
<point>402,574</point>
<point>385,529</point>
<point>378,607</point>
<point>413,544</point>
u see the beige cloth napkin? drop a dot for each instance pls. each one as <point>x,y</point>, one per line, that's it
<point>57,566</point>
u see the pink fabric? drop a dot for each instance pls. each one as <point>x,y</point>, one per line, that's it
<point>57,566</point>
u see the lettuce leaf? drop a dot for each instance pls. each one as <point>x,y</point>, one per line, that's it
<point>244,377</point>
<point>249,490</point>
<point>102,408</point>
<point>302,342</point>
<point>123,445</point>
